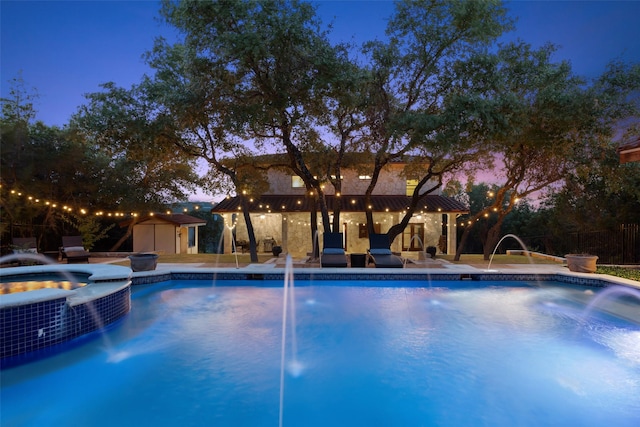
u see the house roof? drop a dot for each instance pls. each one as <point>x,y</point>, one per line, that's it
<point>630,151</point>
<point>273,203</point>
<point>175,219</point>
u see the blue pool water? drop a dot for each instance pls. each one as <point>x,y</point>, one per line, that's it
<point>451,354</point>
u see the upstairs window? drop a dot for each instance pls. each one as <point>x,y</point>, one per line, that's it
<point>297,182</point>
<point>411,186</point>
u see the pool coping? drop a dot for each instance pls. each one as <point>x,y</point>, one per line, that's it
<point>104,280</point>
<point>262,272</point>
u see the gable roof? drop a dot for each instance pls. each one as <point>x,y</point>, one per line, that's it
<point>275,203</point>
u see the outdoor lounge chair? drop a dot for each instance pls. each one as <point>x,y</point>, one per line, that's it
<point>332,251</point>
<point>24,245</point>
<point>380,252</point>
<point>24,248</point>
<point>73,250</point>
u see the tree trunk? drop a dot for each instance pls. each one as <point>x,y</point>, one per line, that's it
<point>397,229</point>
<point>493,235</point>
<point>463,242</point>
<point>313,217</point>
<point>124,238</point>
<point>253,251</point>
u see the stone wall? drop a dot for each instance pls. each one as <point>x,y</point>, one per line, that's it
<point>292,231</point>
<point>390,182</point>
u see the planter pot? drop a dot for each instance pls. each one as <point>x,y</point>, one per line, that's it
<point>143,262</point>
<point>581,263</point>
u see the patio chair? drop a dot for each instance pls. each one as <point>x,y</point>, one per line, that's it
<point>73,250</point>
<point>24,245</point>
<point>25,248</point>
<point>380,252</point>
<point>332,251</point>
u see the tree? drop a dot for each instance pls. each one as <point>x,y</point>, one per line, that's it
<point>141,173</point>
<point>193,101</point>
<point>41,166</point>
<point>425,105</point>
<point>278,70</point>
<point>600,194</point>
<point>553,119</point>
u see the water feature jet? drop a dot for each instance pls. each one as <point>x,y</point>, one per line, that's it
<point>524,247</point>
<point>294,367</point>
<point>610,293</point>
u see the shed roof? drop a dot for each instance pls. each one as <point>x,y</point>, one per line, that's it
<point>176,219</point>
<point>350,203</point>
<point>630,151</point>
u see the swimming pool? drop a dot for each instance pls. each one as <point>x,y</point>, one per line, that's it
<point>454,353</point>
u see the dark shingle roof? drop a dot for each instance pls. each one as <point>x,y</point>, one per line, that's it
<point>269,203</point>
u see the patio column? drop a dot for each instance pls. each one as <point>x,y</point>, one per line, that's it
<point>452,231</point>
<point>285,233</point>
<point>227,235</point>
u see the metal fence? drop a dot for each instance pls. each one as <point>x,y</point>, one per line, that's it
<point>621,246</point>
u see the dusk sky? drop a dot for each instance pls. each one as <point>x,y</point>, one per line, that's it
<point>66,49</point>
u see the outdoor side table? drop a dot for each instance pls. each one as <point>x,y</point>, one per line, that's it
<point>358,260</point>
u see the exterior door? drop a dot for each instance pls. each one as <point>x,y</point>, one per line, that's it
<point>413,237</point>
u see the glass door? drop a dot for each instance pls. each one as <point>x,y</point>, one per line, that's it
<point>413,237</point>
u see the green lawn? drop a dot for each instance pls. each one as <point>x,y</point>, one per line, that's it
<point>624,272</point>
<point>478,259</point>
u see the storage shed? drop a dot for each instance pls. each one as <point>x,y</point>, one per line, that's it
<point>167,233</point>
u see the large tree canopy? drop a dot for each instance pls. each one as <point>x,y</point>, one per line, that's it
<point>284,86</point>
<point>253,77</point>
<point>424,102</point>
<point>105,160</point>
<point>555,123</point>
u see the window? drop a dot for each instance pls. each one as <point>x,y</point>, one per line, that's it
<point>297,182</point>
<point>192,237</point>
<point>411,186</point>
<point>413,238</point>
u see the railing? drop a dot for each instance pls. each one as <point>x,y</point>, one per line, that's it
<point>612,247</point>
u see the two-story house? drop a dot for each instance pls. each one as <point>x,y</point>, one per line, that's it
<point>281,215</point>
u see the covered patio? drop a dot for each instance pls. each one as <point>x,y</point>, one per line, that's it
<point>285,221</point>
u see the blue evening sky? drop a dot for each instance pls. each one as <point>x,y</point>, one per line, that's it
<point>66,49</point>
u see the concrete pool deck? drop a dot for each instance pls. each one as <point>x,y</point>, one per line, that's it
<point>301,266</point>
<point>437,267</point>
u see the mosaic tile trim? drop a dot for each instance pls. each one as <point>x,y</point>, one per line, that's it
<point>333,276</point>
<point>148,280</point>
<point>498,277</point>
<point>94,315</point>
<point>584,281</point>
<point>38,326</point>
<point>31,327</point>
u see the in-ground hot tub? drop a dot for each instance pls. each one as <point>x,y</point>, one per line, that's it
<point>57,303</point>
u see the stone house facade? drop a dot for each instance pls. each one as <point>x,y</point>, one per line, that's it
<point>281,216</point>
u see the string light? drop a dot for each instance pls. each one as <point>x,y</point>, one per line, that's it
<point>48,204</point>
